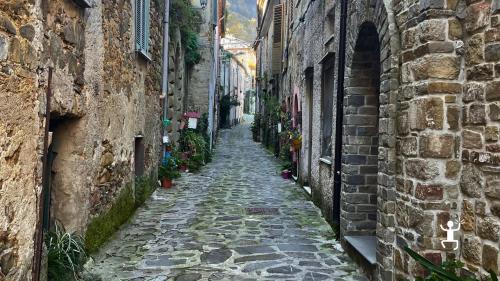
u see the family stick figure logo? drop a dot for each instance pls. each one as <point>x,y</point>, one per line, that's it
<point>449,234</point>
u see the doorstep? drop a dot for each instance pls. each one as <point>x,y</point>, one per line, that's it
<point>307,189</point>
<point>366,246</point>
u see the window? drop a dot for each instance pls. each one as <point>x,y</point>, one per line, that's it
<point>142,27</point>
<point>277,51</point>
<point>327,87</point>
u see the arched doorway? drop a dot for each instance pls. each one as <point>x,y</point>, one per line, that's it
<point>361,137</point>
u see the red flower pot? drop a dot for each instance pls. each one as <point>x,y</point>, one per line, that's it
<point>166,183</point>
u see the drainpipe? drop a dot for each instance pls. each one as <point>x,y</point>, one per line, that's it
<point>37,257</point>
<point>212,89</point>
<point>337,179</point>
<point>164,73</point>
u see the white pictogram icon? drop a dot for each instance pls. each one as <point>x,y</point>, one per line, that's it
<point>449,234</point>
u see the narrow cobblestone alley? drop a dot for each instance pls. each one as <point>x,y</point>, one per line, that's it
<point>234,220</point>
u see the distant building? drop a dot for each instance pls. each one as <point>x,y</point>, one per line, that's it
<point>236,78</point>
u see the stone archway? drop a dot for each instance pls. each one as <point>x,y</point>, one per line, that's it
<point>375,20</point>
<point>361,137</point>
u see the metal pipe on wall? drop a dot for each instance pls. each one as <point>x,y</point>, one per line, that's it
<point>37,257</point>
<point>164,73</point>
<point>339,116</point>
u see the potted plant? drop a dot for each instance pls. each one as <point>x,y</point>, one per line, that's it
<point>286,171</point>
<point>167,173</point>
<point>296,139</point>
<point>183,164</point>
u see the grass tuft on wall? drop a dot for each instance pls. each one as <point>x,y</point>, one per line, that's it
<point>102,227</point>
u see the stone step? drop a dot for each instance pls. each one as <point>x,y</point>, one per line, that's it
<point>366,246</point>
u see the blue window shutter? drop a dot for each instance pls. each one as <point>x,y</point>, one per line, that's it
<point>146,28</point>
<point>138,24</point>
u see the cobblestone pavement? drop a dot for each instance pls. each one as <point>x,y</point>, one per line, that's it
<point>234,220</point>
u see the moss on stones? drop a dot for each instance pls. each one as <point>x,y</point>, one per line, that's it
<point>102,227</point>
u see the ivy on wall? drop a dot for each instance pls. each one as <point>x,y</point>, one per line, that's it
<point>188,20</point>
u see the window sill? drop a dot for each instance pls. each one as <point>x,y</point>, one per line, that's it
<point>329,40</point>
<point>144,55</point>
<point>83,3</point>
<point>327,160</point>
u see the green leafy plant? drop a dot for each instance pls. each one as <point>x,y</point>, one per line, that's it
<point>197,144</point>
<point>286,165</point>
<point>272,107</point>
<point>192,55</point>
<point>144,187</point>
<point>169,171</point>
<point>65,253</point>
<point>447,271</point>
<point>188,20</point>
<point>256,127</point>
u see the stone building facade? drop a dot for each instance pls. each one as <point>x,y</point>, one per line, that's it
<point>104,129</point>
<point>400,127</point>
<point>199,74</point>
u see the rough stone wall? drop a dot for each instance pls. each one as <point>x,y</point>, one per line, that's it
<point>20,135</point>
<point>448,131</point>
<point>321,172</point>
<point>307,46</point>
<point>379,16</point>
<point>199,74</point>
<point>104,95</point>
<point>129,104</point>
<point>64,51</point>
<point>178,83</point>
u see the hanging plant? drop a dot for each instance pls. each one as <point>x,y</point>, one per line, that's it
<point>296,138</point>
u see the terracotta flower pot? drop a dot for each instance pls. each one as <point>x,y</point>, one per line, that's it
<point>166,183</point>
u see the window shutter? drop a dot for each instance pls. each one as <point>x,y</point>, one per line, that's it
<point>142,26</point>
<point>146,28</point>
<point>138,24</point>
<point>277,39</point>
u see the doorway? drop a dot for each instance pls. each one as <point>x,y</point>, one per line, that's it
<point>359,166</point>
<point>64,193</point>
<point>309,103</point>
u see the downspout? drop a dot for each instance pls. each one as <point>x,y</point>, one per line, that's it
<point>37,257</point>
<point>339,116</point>
<point>211,91</point>
<point>164,72</point>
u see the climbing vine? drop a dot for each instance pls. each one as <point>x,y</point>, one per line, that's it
<point>184,17</point>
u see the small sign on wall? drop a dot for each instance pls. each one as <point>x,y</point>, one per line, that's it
<point>192,123</point>
<point>192,119</point>
<point>279,127</point>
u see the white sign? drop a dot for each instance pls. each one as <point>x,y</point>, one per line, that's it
<point>279,127</point>
<point>192,123</point>
<point>166,139</point>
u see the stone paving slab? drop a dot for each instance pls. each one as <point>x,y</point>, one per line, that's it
<point>234,220</point>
